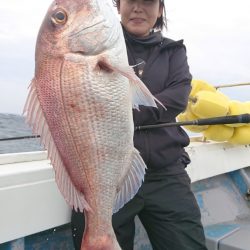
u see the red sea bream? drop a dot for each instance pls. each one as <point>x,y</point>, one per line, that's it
<point>80,103</point>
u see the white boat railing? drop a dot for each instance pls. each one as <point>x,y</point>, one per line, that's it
<point>31,202</point>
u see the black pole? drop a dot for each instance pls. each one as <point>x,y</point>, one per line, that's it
<point>20,138</point>
<point>244,118</point>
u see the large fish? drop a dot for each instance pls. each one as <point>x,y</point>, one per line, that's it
<point>80,102</point>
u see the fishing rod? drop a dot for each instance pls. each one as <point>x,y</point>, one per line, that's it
<point>19,138</point>
<point>232,85</point>
<point>244,118</point>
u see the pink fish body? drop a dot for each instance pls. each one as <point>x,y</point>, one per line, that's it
<point>80,102</point>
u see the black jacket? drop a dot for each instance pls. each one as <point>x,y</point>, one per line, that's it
<point>166,74</point>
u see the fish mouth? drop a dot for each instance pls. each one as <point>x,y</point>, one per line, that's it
<point>86,28</point>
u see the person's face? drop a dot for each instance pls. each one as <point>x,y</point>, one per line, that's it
<point>139,16</point>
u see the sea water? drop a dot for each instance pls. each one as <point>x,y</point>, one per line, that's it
<point>12,126</point>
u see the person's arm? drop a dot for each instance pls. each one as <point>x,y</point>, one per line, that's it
<point>174,97</point>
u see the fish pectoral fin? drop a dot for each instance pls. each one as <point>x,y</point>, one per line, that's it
<point>139,92</point>
<point>141,95</point>
<point>132,182</point>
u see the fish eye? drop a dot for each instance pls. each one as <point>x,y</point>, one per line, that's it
<point>59,17</point>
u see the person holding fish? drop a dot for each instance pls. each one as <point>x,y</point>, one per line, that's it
<point>164,203</point>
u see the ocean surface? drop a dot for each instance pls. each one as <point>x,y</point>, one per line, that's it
<point>14,126</point>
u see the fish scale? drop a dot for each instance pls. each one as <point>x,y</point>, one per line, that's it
<point>80,102</point>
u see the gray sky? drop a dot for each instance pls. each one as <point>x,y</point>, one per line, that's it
<point>216,34</point>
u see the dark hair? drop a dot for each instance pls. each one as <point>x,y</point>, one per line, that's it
<point>160,22</point>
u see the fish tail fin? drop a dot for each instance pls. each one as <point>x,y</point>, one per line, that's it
<point>132,182</point>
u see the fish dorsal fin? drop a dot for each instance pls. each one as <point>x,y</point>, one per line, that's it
<point>139,92</point>
<point>132,182</point>
<point>36,119</point>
